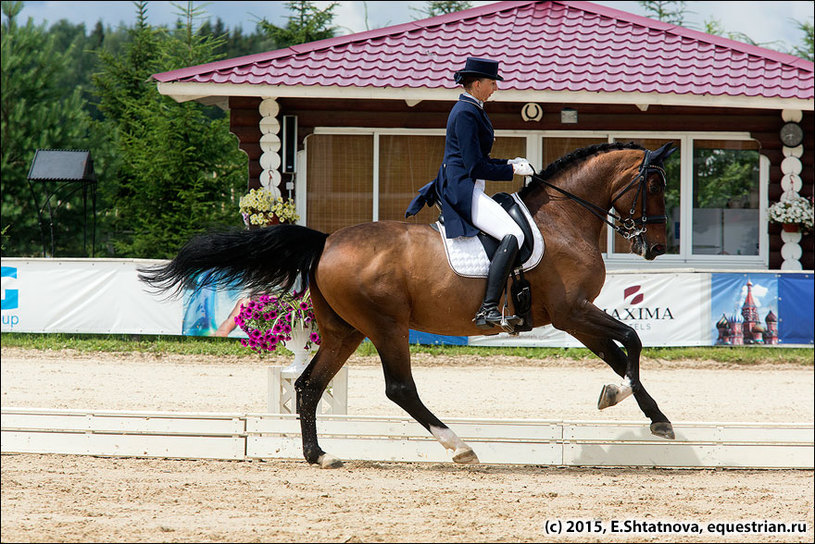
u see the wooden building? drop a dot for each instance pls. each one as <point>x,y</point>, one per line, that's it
<point>352,126</point>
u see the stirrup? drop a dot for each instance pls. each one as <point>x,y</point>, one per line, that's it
<point>486,319</point>
<point>483,319</point>
<point>509,322</point>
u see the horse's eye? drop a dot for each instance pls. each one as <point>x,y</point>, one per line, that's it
<point>655,188</point>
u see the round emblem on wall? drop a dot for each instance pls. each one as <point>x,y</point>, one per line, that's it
<point>531,112</point>
<point>791,134</point>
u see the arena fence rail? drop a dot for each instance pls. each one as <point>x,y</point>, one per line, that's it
<point>375,438</point>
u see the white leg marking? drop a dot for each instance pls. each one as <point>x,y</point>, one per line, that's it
<point>448,438</point>
<point>327,460</point>
<point>625,390</point>
<point>613,394</point>
<point>462,453</point>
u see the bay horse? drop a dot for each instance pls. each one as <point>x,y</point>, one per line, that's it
<point>381,279</point>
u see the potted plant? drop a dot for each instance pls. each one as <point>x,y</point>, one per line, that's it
<point>794,213</point>
<point>261,208</point>
<point>285,319</point>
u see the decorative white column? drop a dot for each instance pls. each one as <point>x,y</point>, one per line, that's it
<point>270,145</point>
<point>791,183</point>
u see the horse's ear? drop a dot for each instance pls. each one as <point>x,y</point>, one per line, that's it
<point>661,154</point>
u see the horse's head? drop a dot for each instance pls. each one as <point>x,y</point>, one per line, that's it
<point>640,202</point>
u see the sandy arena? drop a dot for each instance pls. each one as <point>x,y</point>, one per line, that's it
<point>56,498</point>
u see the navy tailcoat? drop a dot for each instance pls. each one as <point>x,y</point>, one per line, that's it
<point>466,158</point>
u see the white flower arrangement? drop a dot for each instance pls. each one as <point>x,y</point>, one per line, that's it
<point>261,207</point>
<point>795,210</point>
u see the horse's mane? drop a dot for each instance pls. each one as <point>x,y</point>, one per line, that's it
<point>571,159</point>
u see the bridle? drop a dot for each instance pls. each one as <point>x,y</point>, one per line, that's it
<point>626,227</point>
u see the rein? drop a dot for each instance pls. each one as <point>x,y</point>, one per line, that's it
<point>626,227</point>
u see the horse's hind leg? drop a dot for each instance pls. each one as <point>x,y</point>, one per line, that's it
<point>338,340</point>
<point>333,353</point>
<point>394,352</point>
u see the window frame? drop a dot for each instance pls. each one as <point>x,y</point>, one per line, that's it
<point>534,150</point>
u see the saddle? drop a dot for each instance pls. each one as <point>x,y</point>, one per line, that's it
<point>470,257</point>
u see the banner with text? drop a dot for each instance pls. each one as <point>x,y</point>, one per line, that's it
<point>83,296</point>
<point>666,309</point>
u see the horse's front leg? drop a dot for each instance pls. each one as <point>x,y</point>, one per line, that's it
<point>616,358</point>
<point>597,330</point>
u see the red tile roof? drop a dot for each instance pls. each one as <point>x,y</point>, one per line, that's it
<point>542,46</point>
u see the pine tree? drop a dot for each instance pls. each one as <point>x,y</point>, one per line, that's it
<point>806,50</point>
<point>435,8</point>
<point>667,11</point>
<point>181,171</point>
<point>37,113</point>
<point>307,24</point>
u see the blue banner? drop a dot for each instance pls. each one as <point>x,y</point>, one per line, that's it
<point>795,309</point>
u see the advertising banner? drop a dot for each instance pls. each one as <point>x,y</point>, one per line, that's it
<point>744,309</point>
<point>211,312</point>
<point>665,309</point>
<point>796,296</point>
<point>83,296</point>
<point>105,296</point>
<point>761,309</point>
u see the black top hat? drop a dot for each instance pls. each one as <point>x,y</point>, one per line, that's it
<point>479,68</point>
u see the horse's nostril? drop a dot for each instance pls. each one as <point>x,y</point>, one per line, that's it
<point>659,249</point>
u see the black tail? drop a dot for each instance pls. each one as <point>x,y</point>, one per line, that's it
<point>266,259</point>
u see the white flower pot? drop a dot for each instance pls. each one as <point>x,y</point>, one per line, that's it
<point>297,345</point>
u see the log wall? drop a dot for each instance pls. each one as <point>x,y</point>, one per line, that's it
<point>763,125</point>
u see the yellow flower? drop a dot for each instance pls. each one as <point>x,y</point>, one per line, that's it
<point>259,207</point>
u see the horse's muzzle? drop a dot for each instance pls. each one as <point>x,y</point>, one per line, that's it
<point>649,252</point>
<point>653,251</point>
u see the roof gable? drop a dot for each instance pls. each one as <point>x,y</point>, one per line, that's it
<point>543,46</point>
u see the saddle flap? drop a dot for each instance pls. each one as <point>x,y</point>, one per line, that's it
<point>470,257</point>
<point>516,213</point>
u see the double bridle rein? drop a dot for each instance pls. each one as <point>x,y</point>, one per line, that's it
<point>626,227</point>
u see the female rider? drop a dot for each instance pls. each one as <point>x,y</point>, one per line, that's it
<point>459,185</point>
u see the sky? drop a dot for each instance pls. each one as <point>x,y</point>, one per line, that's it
<point>763,21</point>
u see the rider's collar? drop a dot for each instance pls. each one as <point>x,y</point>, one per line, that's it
<point>470,98</point>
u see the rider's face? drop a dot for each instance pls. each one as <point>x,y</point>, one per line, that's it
<point>483,88</point>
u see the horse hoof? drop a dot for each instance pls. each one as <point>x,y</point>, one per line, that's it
<point>328,461</point>
<point>465,456</point>
<point>608,396</point>
<point>663,429</point>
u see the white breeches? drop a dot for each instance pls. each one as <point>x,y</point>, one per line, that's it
<point>490,217</point>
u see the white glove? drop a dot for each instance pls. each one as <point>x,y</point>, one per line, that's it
<point>517,160</point>
<point>522,169</point>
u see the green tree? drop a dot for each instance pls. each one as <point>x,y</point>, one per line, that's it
<point>38,113</point>
<point>432,9</point>
<point>307,24</point>
<point>723,175</point>
<point>806,50</point>
<point>667,11</point>
<point>180,171</point>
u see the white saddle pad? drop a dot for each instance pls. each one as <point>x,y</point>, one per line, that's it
<point>467,257</point>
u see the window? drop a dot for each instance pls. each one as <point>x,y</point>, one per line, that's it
<point>725,198</point>
<point>716,186</point>
<point>712,199</point>
<point>407,163</point>
<point>340,177</point>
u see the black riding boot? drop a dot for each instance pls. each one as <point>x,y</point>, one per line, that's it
<point>489,315</point>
